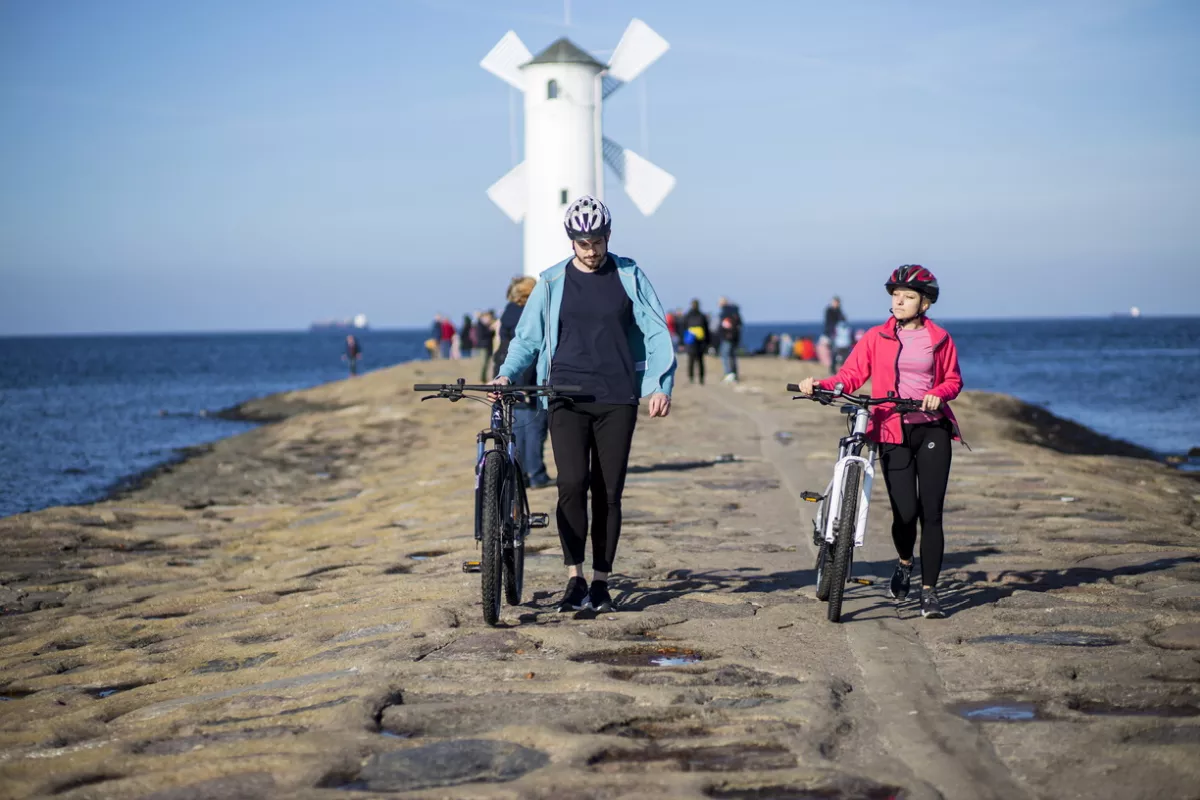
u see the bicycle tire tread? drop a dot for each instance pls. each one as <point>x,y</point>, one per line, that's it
<point>491,546</point>
<point>843,545</point>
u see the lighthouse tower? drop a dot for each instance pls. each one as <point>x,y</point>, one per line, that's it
<point>565,148</point>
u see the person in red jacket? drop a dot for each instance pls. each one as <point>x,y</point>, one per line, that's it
<point>913,357</point>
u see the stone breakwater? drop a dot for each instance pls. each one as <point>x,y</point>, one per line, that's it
<point>285,616</point>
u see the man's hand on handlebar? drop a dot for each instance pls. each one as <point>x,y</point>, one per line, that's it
<point>499,380</point>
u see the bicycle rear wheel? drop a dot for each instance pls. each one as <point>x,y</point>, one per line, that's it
<point>843,543</point>
<point>492,546</point>
<point>514,548</point>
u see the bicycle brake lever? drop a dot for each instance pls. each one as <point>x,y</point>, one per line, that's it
<point>430,397</point>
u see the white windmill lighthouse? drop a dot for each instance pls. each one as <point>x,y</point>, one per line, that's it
<point>565,148</point>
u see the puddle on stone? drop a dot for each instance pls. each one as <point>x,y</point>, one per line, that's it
<point>997,711</point>
<point>856,790</point>
<point>658,657</point>
<point>425,555</point>
<point>393,735</point>
<point>720,758</point>
<point>675,661</point>
<point>14,694</point>
<point>1053,638</point>
<point>102,692</point>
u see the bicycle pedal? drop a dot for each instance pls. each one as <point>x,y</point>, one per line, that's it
<point>472,566</point>
<point>863,581</point>
<point>539,520</point>
<point>811,497</point>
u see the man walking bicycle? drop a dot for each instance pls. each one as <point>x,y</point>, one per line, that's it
<point>593,321</point>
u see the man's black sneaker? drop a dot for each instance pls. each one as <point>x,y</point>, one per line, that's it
<point>575,597</point>
<point>931,608</point>
<point>901,580</point>
<point>599,598</point>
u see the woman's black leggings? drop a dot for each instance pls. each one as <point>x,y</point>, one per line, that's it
<point>917,473</point>
<point>591,451</point>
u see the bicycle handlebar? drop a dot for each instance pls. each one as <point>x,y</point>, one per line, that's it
<point>491,388</point>
<point>827,396</point>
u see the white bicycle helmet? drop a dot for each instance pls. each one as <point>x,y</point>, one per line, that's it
<point>587,218</point>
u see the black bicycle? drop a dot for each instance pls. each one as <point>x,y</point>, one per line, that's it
<point>848,494</point>
<point>502,515</point>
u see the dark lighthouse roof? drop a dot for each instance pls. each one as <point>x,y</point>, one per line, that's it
<point>565,52</point>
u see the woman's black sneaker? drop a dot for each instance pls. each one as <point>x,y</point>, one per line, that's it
<point>576,596</point>
<point>901,580</point>
<point>931,608</point>
<point>599,598</point>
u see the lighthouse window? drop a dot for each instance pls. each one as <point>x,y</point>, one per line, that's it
<point>552,90</point>
<point>562,197</point>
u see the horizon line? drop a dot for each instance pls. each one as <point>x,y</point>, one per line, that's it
<point>409,328</point>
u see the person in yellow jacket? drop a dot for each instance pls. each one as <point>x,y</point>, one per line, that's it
<point>695,340</point>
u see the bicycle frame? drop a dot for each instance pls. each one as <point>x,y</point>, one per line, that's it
<point>852,448</point>
<point>512,477</point>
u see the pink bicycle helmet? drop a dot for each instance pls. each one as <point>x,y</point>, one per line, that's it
<point>915,277</point>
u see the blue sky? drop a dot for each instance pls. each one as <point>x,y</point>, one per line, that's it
<point>231,165</point>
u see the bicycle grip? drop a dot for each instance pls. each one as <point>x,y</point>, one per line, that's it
<point>428,387</point>
<point>793,387</point>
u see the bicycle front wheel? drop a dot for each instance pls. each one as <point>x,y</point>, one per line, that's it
<point>823,559</point>
<point>843,542</point>
<point>513,555</point>
<point>491,523</point>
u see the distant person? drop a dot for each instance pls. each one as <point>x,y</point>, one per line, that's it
<point>695,340</point>
<point>435,336</point>
<point>825,352</point>
<point>530,422</point>
<point>485,340</point>
<point>353,354</point>
<point>913,357</point>
<point>786,346</point>
<point>833,315</point>
<point>843,340</point>
<point>770,345</point>
<point>466,337</point>
<point>445,336</point>
<point>678,314</point>
<point>729,337</point>
<point>804,349</point>
<point>593,321</point>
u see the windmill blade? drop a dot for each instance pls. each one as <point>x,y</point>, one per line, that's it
<point>639,47</point>
<point>511,193</point>
<point>505,60</point>
<point>646,183</point>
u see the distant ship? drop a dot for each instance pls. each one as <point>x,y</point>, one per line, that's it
<point>356,323</point>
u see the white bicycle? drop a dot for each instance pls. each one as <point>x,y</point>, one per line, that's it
<point>848,493</point>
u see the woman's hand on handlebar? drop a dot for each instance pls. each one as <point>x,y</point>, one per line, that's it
<point>806,386</point>
<point>499,380</point>
<point>931,402</point>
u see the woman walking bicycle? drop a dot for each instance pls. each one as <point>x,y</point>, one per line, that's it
<point>913,357</point>
<point>593,321</point>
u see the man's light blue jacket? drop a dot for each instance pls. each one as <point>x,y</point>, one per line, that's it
<point>649,340</point>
